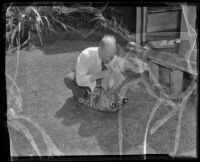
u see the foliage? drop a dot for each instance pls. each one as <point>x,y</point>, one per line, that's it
<point>21,21</point>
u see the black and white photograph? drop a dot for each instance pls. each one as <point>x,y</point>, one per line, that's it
<point>101,79</point>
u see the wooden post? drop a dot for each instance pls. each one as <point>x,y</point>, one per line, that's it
<point>141,21</point>
<point>176,81</point>
<point>154,69</point>
<point>144,24</point>
<point>165,76</point>
<point>138,24</point>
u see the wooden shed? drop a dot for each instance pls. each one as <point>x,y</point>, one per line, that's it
<point>175,25</point>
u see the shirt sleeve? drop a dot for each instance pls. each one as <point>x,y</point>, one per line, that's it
<point>82,76</point>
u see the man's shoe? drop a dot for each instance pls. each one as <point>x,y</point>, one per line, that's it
<point>84,101</point>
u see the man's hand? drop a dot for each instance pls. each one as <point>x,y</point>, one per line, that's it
<point>96,76</point>
<point>100,75</point>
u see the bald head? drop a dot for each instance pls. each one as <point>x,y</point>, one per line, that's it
<point>108,48</point>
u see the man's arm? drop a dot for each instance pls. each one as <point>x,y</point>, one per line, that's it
<point>96,76</point>
<point>82,76</point>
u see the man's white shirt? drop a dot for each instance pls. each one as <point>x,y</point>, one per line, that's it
<point>89,63</point>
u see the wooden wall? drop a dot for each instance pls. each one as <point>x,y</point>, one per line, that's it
<point>163,24</point>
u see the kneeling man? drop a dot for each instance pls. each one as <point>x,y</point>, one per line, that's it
<point>91,71</point>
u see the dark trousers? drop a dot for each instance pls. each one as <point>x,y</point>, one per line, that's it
<point>77,91</point>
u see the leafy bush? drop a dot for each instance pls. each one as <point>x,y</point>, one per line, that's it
<point>21,21</point>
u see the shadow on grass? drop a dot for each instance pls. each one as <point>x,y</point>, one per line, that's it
<point>102,125</point>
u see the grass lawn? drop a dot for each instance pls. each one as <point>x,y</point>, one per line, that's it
<point>78,131</point>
